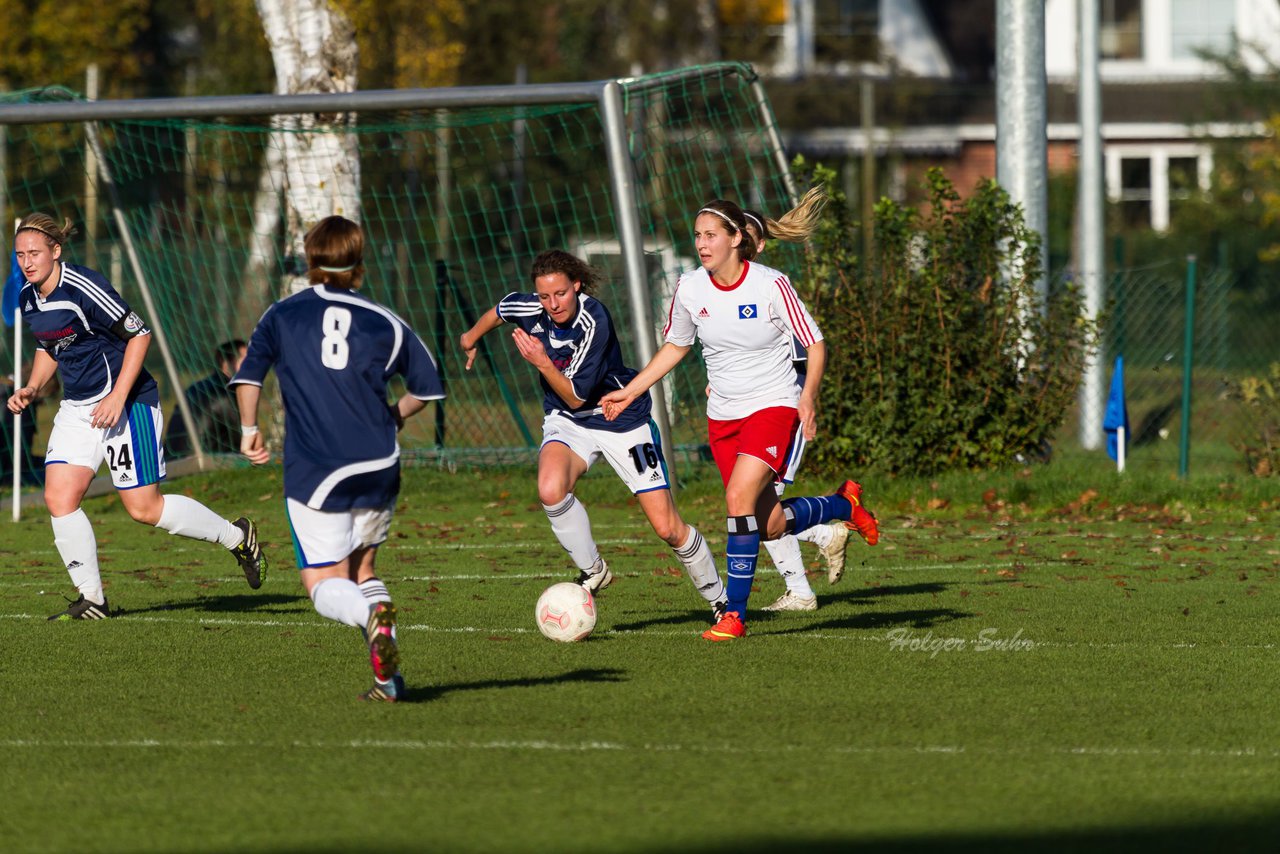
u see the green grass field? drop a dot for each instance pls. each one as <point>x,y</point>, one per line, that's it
<point>1052,658</point>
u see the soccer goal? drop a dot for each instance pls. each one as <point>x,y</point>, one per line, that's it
<point>194,208</point>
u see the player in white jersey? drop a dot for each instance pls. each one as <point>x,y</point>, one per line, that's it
<point>568,335</point>
<point>745,315</point>
<point>831,539</point>
<point>110,411</point>
<point>333,351</point>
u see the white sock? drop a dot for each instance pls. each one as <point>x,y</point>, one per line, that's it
<point>78,548</point>
<point>186,517</point>
<point>819,535</point>
<point>700,566</point>
<point>785,552</point>
<point>374,592</point>
<point>340,599</point>
<point>572,527</point>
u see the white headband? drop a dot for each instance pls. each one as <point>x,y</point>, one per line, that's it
<point>723,216</point>
<point>754,219</point>
<point>346,269</point>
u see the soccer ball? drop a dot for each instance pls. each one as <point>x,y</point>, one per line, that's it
<point>565,612</point>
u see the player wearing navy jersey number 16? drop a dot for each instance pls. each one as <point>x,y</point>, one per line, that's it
<point>568,335</point>
<point>745,315</point>
<point>109,411</point>
<point>334,351</point>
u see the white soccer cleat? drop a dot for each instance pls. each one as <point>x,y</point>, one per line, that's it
<point>791,602</point>
<point>597,581</point>
<point>833,552</point>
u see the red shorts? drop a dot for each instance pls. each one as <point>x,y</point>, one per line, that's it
<point>765,435</point>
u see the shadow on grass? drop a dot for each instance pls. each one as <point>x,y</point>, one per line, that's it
<point>243,603</point>
<point>849,595</point>
<point>588,675</point>
<point>922,618</point>
<point>1243,834</point>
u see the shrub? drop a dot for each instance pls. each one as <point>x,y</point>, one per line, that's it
<point>941,356</point>
<point>1260,395</point>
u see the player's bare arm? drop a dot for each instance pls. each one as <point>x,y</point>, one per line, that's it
<point>470,339</point>
<point>807,408</point>
<point>251,444</point>
<point>42,370</point>
<point>662,363</point>
<point>107,412</point>
<point>535,354</point>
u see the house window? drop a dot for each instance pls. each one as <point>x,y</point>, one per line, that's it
<point>1135,191</point>
<point>1200,25</point>
<point>1147,182</point>
<point>846,30</point>
<point>1120,34</point>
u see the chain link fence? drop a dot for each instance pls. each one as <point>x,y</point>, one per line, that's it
<point>1150,316</point>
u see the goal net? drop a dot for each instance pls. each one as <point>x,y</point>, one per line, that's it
<point>200,212</point>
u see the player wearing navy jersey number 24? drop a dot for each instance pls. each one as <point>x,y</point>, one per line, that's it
<point>334,350</point>
<point>109,411</point>
<point>568,335</point>
<point>745,315</point>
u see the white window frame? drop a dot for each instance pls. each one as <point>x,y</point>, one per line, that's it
<point>1159,153</point>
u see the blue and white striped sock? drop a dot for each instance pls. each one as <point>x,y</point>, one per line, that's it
<point>804,513</point>
<point>741,553</point>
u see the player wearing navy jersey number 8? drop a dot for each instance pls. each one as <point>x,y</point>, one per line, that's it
<point>568,335</point>
<point>333,351</point>
<point>110,411</point>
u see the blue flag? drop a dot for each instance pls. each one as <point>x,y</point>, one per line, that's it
<point>1117,414</point>
<point>12,286</point>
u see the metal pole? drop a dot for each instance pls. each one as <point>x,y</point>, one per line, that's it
<point>1022,118</point>
<point>868,93</point>
<point>774,140</point>
<point>1092,258</point>
<point>157,328</point>
<point>91,178</point>
<point>1188,343</point>
<point>625,203</point>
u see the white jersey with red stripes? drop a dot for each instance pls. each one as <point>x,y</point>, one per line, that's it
<point>746,330</point>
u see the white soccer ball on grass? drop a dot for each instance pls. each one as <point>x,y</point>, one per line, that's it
<point>566,612</point>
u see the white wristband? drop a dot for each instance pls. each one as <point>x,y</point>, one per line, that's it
<point>248,429</point>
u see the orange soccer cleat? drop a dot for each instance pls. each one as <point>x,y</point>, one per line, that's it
<point>861,519</point>
<point>729,627</point>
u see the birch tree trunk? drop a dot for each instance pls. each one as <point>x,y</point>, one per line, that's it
<point>311,168</point>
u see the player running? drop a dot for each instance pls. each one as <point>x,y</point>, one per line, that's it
<point>831,539</point>
<point>567,334</point>
<point>745,314</point>
<point>334,351</point>
<point>110,411</point>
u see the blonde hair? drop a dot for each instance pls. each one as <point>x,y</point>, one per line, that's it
<point>799,223</point>
<point>46,225</point>
<point>335,253</point>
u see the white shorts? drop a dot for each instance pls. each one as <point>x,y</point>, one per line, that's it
<point>791,464</point>
<point>322,538</point>
<point>635,455</point>
<point>131,449</point>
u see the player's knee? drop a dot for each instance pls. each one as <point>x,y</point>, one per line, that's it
<point>146,514</point>
<point>552,493</point>
<point>670,531</point>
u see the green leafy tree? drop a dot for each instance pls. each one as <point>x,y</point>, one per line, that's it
<point>941,356</point>
<point>51,42</point>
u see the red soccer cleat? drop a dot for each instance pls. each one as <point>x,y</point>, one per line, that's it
<point>861,519</point>
<point>730,627</point>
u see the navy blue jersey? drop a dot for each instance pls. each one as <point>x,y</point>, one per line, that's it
<point>334,351</point>
<point>587,352</point>
<point>84,325</point>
